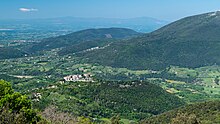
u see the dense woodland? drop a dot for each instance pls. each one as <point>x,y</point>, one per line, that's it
<point>200,113</point>
<point>132,100</point>
<point>80,38</point>
<point>7,53</point>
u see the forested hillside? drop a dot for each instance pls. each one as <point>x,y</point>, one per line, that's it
<point>190,42</point>
<point>84,36</point>
<point>198,113</point>
<point>131,100</point>
<point>7,53</point>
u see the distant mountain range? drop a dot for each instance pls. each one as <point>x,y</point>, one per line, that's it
<point>142,24</point>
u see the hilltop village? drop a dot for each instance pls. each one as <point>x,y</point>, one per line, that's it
<point>78,77</point>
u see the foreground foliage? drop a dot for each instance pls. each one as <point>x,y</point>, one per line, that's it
<point>14,107</point>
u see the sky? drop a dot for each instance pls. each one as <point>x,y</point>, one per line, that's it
<point>169,10</point>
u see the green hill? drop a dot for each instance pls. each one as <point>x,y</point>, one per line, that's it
<point>84,36</point>
<point>199,113</point>
<point>190,42</point>
<point>7,53</point>
<point>132,100</point>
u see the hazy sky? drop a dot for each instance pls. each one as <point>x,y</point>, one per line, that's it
<point>161,9</point>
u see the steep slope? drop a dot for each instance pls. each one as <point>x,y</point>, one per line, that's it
<point>204,113</point>
<point>190,42</point>
<point>7,53</point>
<point>83,36</point>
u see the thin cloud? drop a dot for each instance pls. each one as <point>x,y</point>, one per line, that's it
<point>28,9</point>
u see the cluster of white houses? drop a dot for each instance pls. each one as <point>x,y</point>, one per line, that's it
<point>82,77</point>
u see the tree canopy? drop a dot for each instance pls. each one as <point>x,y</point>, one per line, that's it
<point>15,107</point>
